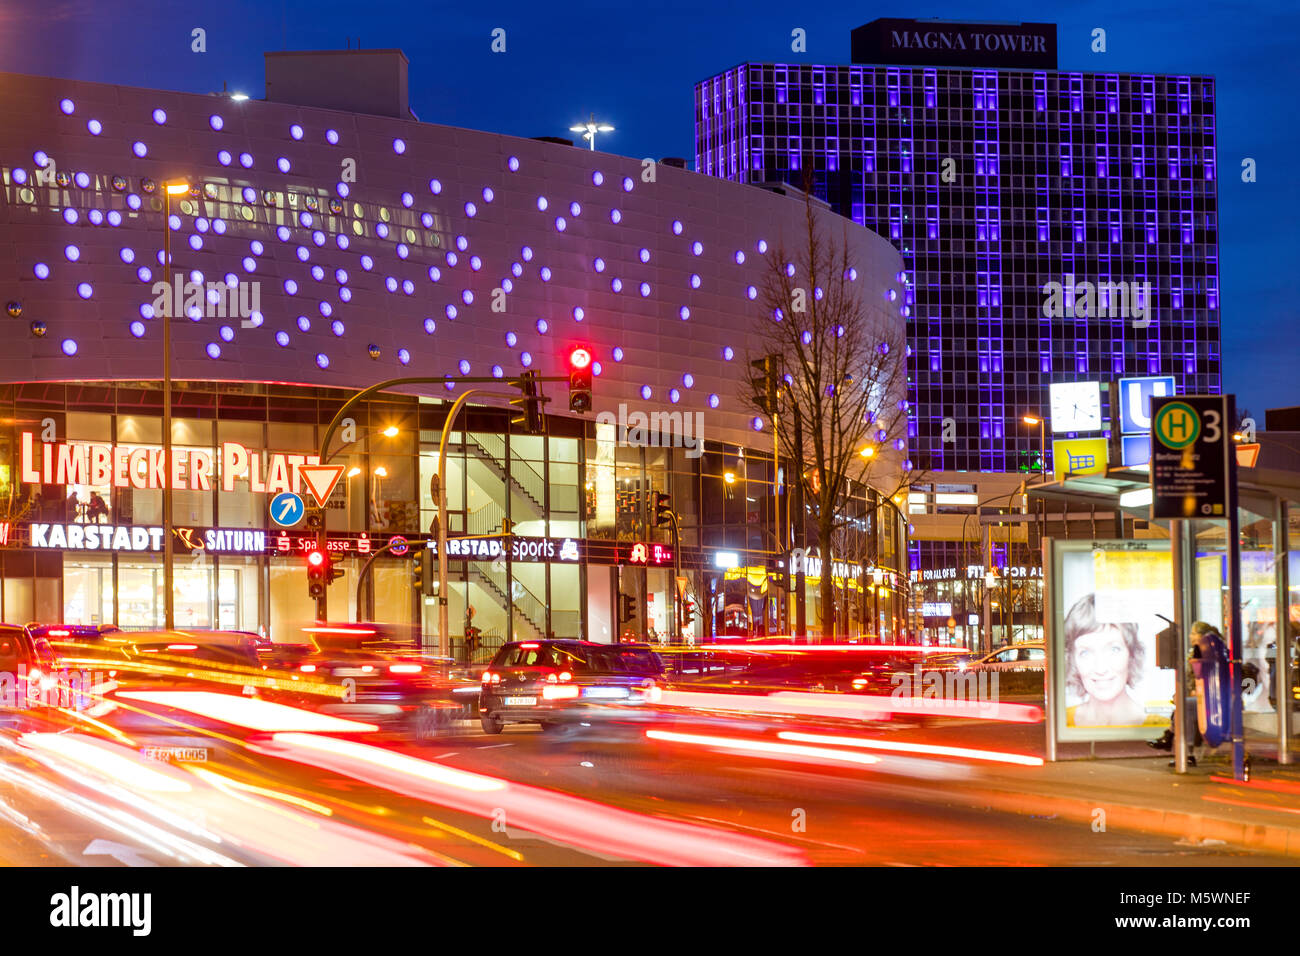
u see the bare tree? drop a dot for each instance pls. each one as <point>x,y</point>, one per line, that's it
<point>843,367</point>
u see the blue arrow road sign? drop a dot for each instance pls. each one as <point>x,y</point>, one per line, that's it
<point>287,509</point>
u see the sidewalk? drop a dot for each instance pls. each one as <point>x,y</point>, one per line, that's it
<point>1144,794</point>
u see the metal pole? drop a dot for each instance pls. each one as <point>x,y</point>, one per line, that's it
<point>1282,656</point>
<point>365,571</point>
<point>1184,613</point>
<point>1234,596</point>
<point>444,641</point>
<point>1051,663</point>
<point>800,537</point>
<point>169,597</point>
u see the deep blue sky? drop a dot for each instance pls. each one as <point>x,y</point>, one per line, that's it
<point>634,64</point>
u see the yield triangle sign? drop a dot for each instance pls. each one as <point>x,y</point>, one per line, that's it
<point>320,480</point>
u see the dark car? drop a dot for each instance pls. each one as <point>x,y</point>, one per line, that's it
<point>27,664</point>
<point>561,682</point>
<point>845,670</point>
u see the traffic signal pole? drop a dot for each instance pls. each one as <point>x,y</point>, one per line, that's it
<point>322,535</point>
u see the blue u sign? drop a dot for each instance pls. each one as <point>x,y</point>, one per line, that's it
<point>287,509</point>
<point>1135,401</point>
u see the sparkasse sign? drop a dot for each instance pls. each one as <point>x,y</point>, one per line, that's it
<point>947,43</point>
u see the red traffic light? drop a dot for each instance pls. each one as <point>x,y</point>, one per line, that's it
<point>316,559</point>
<point>579,359</point>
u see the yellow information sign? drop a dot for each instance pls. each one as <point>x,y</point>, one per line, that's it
<point>1079,456</point>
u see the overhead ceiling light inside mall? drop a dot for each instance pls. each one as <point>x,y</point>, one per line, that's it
<point>381,472</point>
<point>730,477</point>
<point>353,472</point>
<point>390,431</point>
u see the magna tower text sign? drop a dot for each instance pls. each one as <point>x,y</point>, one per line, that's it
<point>945,43</point>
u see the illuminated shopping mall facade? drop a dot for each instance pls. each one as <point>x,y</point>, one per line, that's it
<point>328,251</point>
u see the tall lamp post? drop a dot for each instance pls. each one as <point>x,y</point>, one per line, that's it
<point>1042,442</point>
<point>176,187</point>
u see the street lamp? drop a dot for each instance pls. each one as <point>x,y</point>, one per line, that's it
<point>1042,442</point>
<point>176,187</point>
<point>590,128</point>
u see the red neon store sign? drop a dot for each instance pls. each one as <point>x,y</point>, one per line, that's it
<point>653,555</point>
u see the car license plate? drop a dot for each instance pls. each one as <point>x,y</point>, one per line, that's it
<point>521,701</point>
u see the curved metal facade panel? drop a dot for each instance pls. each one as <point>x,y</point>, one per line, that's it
<point>439,253</point>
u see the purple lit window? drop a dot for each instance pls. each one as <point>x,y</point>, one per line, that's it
<point>404,356</point>
<point>133,201</point>
<point>216,122</point>
<point>408,287</point>
<point>695,280</point>
<point>616,284</point>
<point>342,241</point>
<point>615,216</point>
<point>545,274</point>
<point>688,380</point>
<point>646,392</point>
<point>685,313</point>
<point>322,360</point>
<point>72,253</point>
<point>728,353</point>
<point>467,297</point>
<point>498,371</point>
<point>115,219</point>
<point>332,137</point>
<point>250,194</point>
<point>67,106</point>
<point>697,248</point>
<point>69,347</point>
<point>146,311</point>
<point>144,274</point>
<point>598,264</point>
<point>464,366</point>
<point>213,350</point>
<point>674,395</point>
<point>508,286</point>
<point>342,189</point>
<point>511,339</point>
<point>196,243</point>
<point>40,159</point>
<point>451,311</point>
<point>381,230</point>
<point>303,254</point>
<point>513,164</point>
<point>127,255</point>
<point>542,326</point>
<point>85,290</point>
<point>435,187</point>
<point>70,217</point>
<point>325,309</point>
<point>451,259</point>
<point>617,354</point>
<point>399,146</point>
<point>290,287</point>
<point>434,273</point>
<point>578,313</point>
<point>526,359</point>
<point>246,160</point>
<point>250,264</point>
<point>282,339</point>
<point>337,327</point>
<point>426,219</point>
<point>559,224</point>
<point>527,253</point>
<point>367,263</point>
<point>390,284</point>
<point>677,227</point>
<point>140,149</point>
<point>304,323</point>
<point>282,164</point>
<point>20,176</point>
<point>402,250</point>
<point>408,200</point>
<point>137,329</point>
<point>471,210</point>
<point>758,424</point>
<point>488,194</point>
<point>475,263</point>
<point>762,246</point>
<point>597,177</point>
<point>714,401</point>
<point>645,289</point>
<point>430,326</point>
<point>627,184</point>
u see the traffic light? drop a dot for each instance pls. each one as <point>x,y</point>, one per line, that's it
<point>530,404</point>
<point>314,521</point>
<point>626,608</point>
<point>319,573</point>
<point>580,380</point>
<point>765,382</point>
<point>688,613</point>
<point>422,571</point>
<point>663,510</point>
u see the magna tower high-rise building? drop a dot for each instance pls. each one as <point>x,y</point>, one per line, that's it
<point>995,174</point>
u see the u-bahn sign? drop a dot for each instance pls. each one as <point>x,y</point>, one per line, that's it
<point>1190,449</point>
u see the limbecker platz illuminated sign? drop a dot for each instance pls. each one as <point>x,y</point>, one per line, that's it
<point>132,466</point>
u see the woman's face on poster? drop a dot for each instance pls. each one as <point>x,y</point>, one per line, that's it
<point>1101,659</point>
